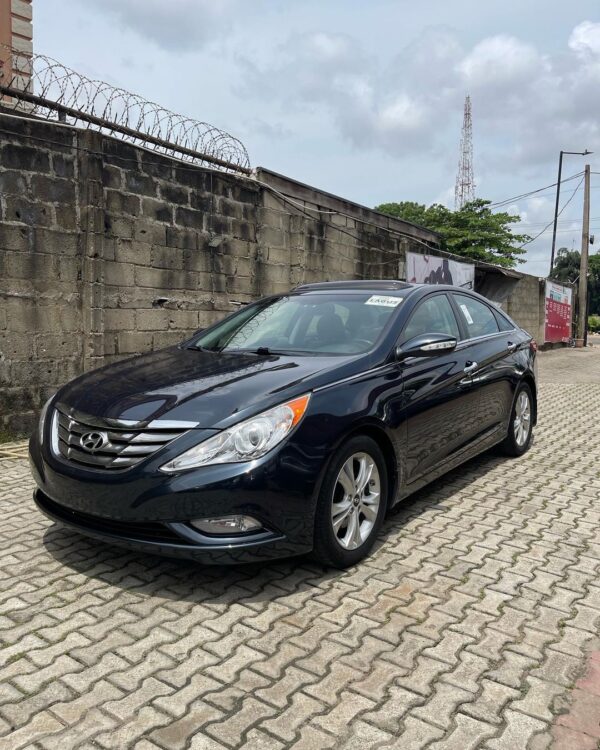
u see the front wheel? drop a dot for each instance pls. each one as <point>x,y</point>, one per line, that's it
<point>352,503</point>
<point>520,429</point>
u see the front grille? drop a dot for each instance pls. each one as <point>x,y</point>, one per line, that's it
<point>153,531</point>
<point>109,444</point>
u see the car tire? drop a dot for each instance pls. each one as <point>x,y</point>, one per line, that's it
<point>348,516</point>
<point>520,427</point>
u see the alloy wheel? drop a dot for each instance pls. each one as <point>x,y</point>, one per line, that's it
<point>356,499</point>
<point>522,420</point>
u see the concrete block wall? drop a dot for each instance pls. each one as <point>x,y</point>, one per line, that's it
<point>40,249</point>
<point>525,305</point>
<point>179,248</point>
<point>310,235</point>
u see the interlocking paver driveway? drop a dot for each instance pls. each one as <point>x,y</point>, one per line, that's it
<point>467,628</point>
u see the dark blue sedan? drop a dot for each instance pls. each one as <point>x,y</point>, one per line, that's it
<point>291,426</point>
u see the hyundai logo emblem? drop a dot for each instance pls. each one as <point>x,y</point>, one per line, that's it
<point>93,441</point>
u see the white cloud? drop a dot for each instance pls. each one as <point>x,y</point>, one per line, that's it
<point>585,39</point>
<point>500,60</point>
<point>401,114</point>
<point>176,25</point>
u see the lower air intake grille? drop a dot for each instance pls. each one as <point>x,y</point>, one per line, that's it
<point>110,444</point>
<point>152,531</point>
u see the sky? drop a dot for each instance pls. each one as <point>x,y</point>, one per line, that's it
<point>364,98</point>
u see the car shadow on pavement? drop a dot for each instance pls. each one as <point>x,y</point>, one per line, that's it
<point>143,574</point>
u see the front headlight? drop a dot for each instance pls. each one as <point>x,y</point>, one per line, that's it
<point>43,419</point>
<point>245,441</point>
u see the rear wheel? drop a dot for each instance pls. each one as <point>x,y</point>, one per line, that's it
<point>351,505</point>
<point>520,428</point>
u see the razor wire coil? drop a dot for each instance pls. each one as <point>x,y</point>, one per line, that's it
<point>45,88</point>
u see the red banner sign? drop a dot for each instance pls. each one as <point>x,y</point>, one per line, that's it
<point>558,312</point>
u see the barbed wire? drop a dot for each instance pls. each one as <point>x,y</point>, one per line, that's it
<point>44,87</point>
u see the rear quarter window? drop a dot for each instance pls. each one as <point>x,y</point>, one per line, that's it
<point>504,324</point>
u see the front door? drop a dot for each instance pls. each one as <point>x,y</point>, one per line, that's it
<point>439,400</point>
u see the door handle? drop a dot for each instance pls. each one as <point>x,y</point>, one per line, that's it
<point>512,347</point>
<point>470,367</point>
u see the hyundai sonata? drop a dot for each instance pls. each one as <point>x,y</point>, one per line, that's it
<point>291,426</point>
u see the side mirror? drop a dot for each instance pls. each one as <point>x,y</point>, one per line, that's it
<point>426,345</point>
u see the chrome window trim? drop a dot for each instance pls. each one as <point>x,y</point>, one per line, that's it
<point>466,342</point>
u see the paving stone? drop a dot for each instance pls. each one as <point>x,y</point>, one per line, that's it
<point>490,702</point>
<point>466,733</point>
<point>375,684</point>
<point>519,729</point>
<point>257,740</point>
<point>39,727</point>
<point>539,698</point>
<point>231,729</point>
<point>414,735</point>
<point>442,705</point>
<point>359,736</point>
<point>280,692</point>
<point>287,723</point>
<point>176,734</point>
<point>71,711</point>
<point>21,712</point>
<point>389,714</point>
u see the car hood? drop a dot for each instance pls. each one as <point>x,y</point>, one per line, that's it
<point>212,390</point>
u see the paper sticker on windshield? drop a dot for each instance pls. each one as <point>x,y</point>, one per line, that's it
<point>384,301</point>
<point>467,314</point>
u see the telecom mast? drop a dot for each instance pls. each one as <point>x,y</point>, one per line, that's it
<point>464,190</point>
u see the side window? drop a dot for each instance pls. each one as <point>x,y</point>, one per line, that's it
<point>433,315</point>
<point>479,319</point>
<point>503,322</point>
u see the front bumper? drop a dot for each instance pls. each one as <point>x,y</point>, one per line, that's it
<point>171,540</point>
<point>147,510</point>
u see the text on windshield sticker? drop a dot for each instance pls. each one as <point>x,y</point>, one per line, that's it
<point>384,301</point>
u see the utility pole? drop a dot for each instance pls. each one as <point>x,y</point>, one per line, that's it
<point>583,268</point>
<point>560,160</point>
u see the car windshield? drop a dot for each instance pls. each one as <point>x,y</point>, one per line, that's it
<point>341,323</point>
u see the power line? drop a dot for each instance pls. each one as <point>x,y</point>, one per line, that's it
<point>539,234</point>
<point>507,201</point>
<point>564,221</point>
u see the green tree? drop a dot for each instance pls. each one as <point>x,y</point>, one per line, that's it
<point>566,268</point>
<point>473,232</point>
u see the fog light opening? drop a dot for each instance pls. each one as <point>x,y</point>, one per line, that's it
<point>226,525</point>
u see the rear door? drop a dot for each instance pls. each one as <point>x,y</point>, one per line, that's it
<point>440,404</point>
<point>490,352</point>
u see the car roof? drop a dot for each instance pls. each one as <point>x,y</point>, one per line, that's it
<point>367,285</point>
<point>383,285</point>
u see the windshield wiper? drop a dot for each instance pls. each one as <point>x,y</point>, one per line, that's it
<point>266,351</point>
